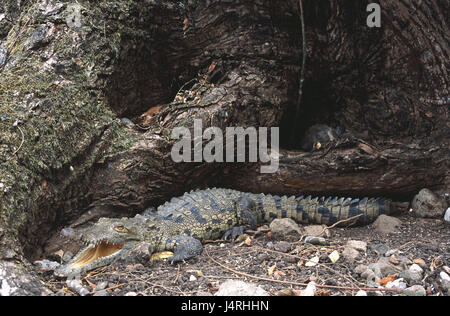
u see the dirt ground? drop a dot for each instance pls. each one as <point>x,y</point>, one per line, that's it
<point>259,261</point>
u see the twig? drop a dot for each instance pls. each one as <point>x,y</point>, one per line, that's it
<point>109,288</point>
<point>340,222</point>
<point>367,289</point>
<point>21,143</point>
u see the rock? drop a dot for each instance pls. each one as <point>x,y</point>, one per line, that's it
<point>282,246</point>
<point>313,230</point>
<point>101,286</point>
<point>310,289</point>
<point>386,224</point>
<point>239,288</point>
<point>283,227</point>
<point>416,268</point>
<point>383,267</point>
<point>447,216</point>
<point>397,284</point>
<point>361,268</point>
<point>312,262</point>
<point>351,254</point>
<point>428,205</point>
<point>361,293</point>
<point>192,278</point>
<point>380,249</point>
<point>415,290</point>
<point>318,241</point>
<point>411,277</point>
<point>75,285</point>
<point>101,293</point>
<point>357,245</point>
<point>445,281</point>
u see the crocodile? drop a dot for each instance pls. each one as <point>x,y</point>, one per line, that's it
<point>181,224</point>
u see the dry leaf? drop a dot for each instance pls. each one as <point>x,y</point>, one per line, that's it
<point>198,272</point>
<point>271,270</point>
<point>334,256</point>
<point>322,292</point>
<point>277,274</point>
<point>211,67</point>
<point>286,292</point>
<point>387,279</point>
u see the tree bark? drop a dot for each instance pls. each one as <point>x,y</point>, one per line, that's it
<point>63,89</point>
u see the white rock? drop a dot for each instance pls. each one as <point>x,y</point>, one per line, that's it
<point>192,278</point>
<point>357,245</point>
<point>361,293</point>
<point>312,262</point>
<point>397,284</point>
<point>415,268</point>
<point>77,287</point>
<point>447,216</point>
<point>444,276</point>
<point>310,289</point>
<point>239,288</point>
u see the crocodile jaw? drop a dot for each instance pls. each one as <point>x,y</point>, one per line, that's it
<point>94,255</point>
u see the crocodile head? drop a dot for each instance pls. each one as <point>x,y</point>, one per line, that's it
<point>105,241</point>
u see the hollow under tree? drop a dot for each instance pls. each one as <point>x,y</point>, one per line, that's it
<point>64,86</point>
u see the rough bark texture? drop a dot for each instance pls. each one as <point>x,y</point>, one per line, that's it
<point>63,150</point>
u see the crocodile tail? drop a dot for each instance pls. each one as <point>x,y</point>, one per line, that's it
<point>331,210</point>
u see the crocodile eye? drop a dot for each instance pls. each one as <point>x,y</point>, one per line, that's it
<point>120,229</point>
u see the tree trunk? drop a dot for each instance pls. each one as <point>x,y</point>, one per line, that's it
<point>65,85</point>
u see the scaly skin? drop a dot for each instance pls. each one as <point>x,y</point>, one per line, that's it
<point>181,224</point>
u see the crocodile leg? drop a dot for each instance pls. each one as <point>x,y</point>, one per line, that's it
<point>245,210</point>
<point>184,247</point>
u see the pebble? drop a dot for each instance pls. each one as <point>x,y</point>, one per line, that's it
<point>361,293</point>
<point>428,205</point>
<point>239,288</point>
<point>77,287</point>
<point>313,230</point>
<point>101,293</point>
<point>282,227</point>
<point>282,246</point>
<point>383,267</point>
<point>192,278</point>
<point>397,284</point>
<point>385,224</point>
<point>312,262</point>
<point>447,216</point>
<point>415,290</point>
<point>318,241</point>
<point>351,254</point>
<point>380,249</point>
<point>310,289</point>
<point>357,245</point>
<point>360,268</point>
<point>416,268</point>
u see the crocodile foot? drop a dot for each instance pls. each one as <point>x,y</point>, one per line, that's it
<point>234,233</point>
<point>185,248</point>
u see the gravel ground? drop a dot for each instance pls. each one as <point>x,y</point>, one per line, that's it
<point>414,258</point>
